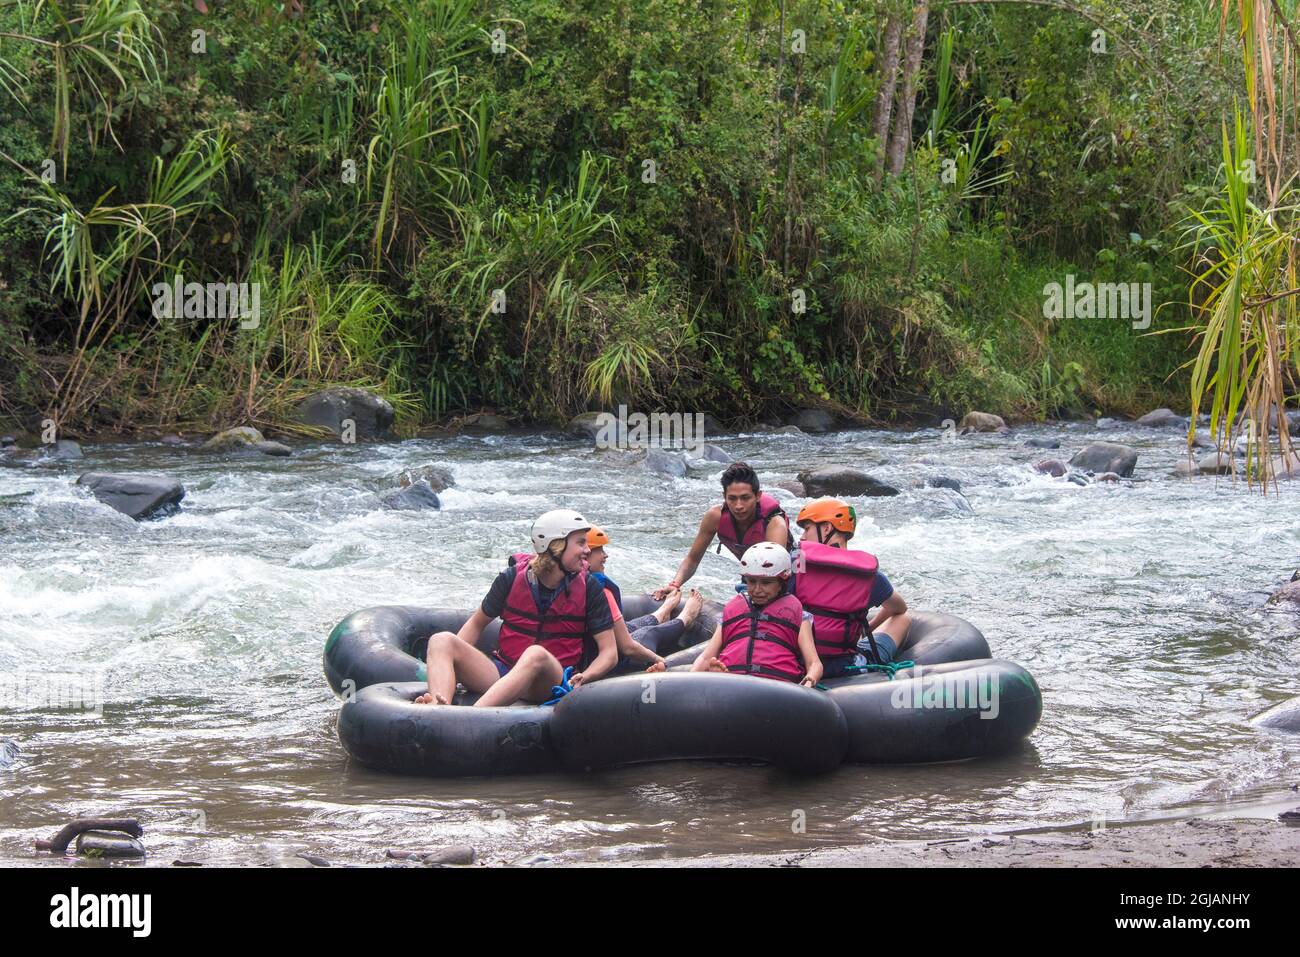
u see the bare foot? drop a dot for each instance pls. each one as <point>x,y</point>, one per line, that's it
<point>427,698</point>
<point>658,666</point>
<point>666,610</point>
<point>692,608</point>
<point>715,664</point>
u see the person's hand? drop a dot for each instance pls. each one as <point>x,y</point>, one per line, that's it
<point>715,664</point>
<point>658,666</point>
<point>814,675</point>
<point>808,682</point>
<point>577,679</point>
<point>659,594</point>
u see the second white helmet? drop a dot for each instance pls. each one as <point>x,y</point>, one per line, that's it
<point>554,525</point>
<point>765,560</point>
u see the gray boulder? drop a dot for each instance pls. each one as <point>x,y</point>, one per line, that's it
<point>371,415</point>
<point>436,477</point>
<point>1042,443</point>
<point>813,420</point>
<point>1052,467</point>
<point>842,480</point>
<point>417,496</point>
<point>484,423</point>
<point>1077,478</point>
<point>943,481</point>
<point>1280,717</point>
<point>64,450</point>
<point>711,453</point>
<point>981,422</point>
<point>139,496</point>
<point>794,488</point>
<point>587,424</point>
<point>666,463</point>
<point>1161,418</point>
<point>271,448</point>
<point>1216,463</point>
<point>1105,457</point>
<point>790,430</point>
<point>8,441</point>
<point>239,439</point>
<point>1108,423</point>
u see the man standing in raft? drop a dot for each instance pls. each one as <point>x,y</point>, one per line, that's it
<point>764,631</point>
<point>552,613</point>
<point>745,517</point>
<point>839,587</point>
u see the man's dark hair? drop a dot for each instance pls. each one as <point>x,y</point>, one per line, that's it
<point>739,472</point>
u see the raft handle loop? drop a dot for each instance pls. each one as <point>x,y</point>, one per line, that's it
<point>563,688</point>
<point>890,668</point>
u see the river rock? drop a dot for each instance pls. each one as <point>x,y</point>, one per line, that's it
<point>813,420</point>
<point>1107,477</point>
<point>1216,463</point>
<point>944,500</point>
<point>1280,717</point>
<point>981,422</point>
<point>484,423</point>
<point>842,480</point>
<point>108,844</point>
<point>271,448</point>
<point>436,477</point>
<point>1077,478</point>
<point>711,453</point>
<point>666,463</point>
<point>589,424</point>
<point>1053,467</point>
<point>795,488</point>
<point>456,854</point>
<point>789,430</point>
<point>139,496</point>
<point>9,753</point>
<point>370,414</point>
<point>240,439</point>
<point>64,450</point>
<point>943,481</point>
<point>8,441</point>
<point>417,496</point>
<point>173,440</point>
<point>1160,418</point>
<point>1105,457</point>
<point>1108,423</point>
<point>1042,443</point>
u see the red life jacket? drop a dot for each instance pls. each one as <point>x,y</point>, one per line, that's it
<point>562,630</point>
<point>768,507</point>
<point>834,585</point>
<point>762,641</point>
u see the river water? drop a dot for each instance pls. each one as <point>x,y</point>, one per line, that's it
<point>1139,608</point>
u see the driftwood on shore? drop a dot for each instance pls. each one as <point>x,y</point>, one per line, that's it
<point>59,843</point>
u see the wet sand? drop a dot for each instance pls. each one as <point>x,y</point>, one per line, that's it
<point>1192,843</point>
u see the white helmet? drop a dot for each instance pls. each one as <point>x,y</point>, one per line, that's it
<point>554,525</point>
<point>765,560</point>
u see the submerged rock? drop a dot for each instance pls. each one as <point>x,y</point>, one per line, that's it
<point>271,448</point>
<point>981,422</point>
<point>414,497</point>
<point>1042,443</point>
<point>1280,717</point>
<point>64,450</point>
<point>1106,457</point>
<point>436,476</point>
<point>666,463</point>
<point>1052,467</point>
<point>842,480</point>
<point>943,481</point>
<point>371,415</point>
<point>241,438</point>
<point>9,753</point>
<point>1288,593</point>
<point>139,496</point>
<point>711,453</point>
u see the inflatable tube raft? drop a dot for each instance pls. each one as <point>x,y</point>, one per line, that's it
<point>673,716</point>
<point>388,643</point>
<point>382,727</point>
<point>955,703</point>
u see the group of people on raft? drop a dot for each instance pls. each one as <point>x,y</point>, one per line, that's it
<point>805,613</point>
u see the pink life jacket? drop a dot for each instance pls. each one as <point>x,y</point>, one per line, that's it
<point>562,630</point>
<point>762,641</point>
<point>727,535</point>
<point>834,585</point>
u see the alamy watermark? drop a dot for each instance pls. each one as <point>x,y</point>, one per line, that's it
<point>1103,300</point>
<point>78,691</point>
<point>665,430</point>
<point>975,689</point>
<point>208,300</point>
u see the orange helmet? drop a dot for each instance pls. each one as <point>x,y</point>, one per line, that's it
<point>840,514</point>
<point>596,537</point>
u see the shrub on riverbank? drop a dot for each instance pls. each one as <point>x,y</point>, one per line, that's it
<point>677,209</point>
